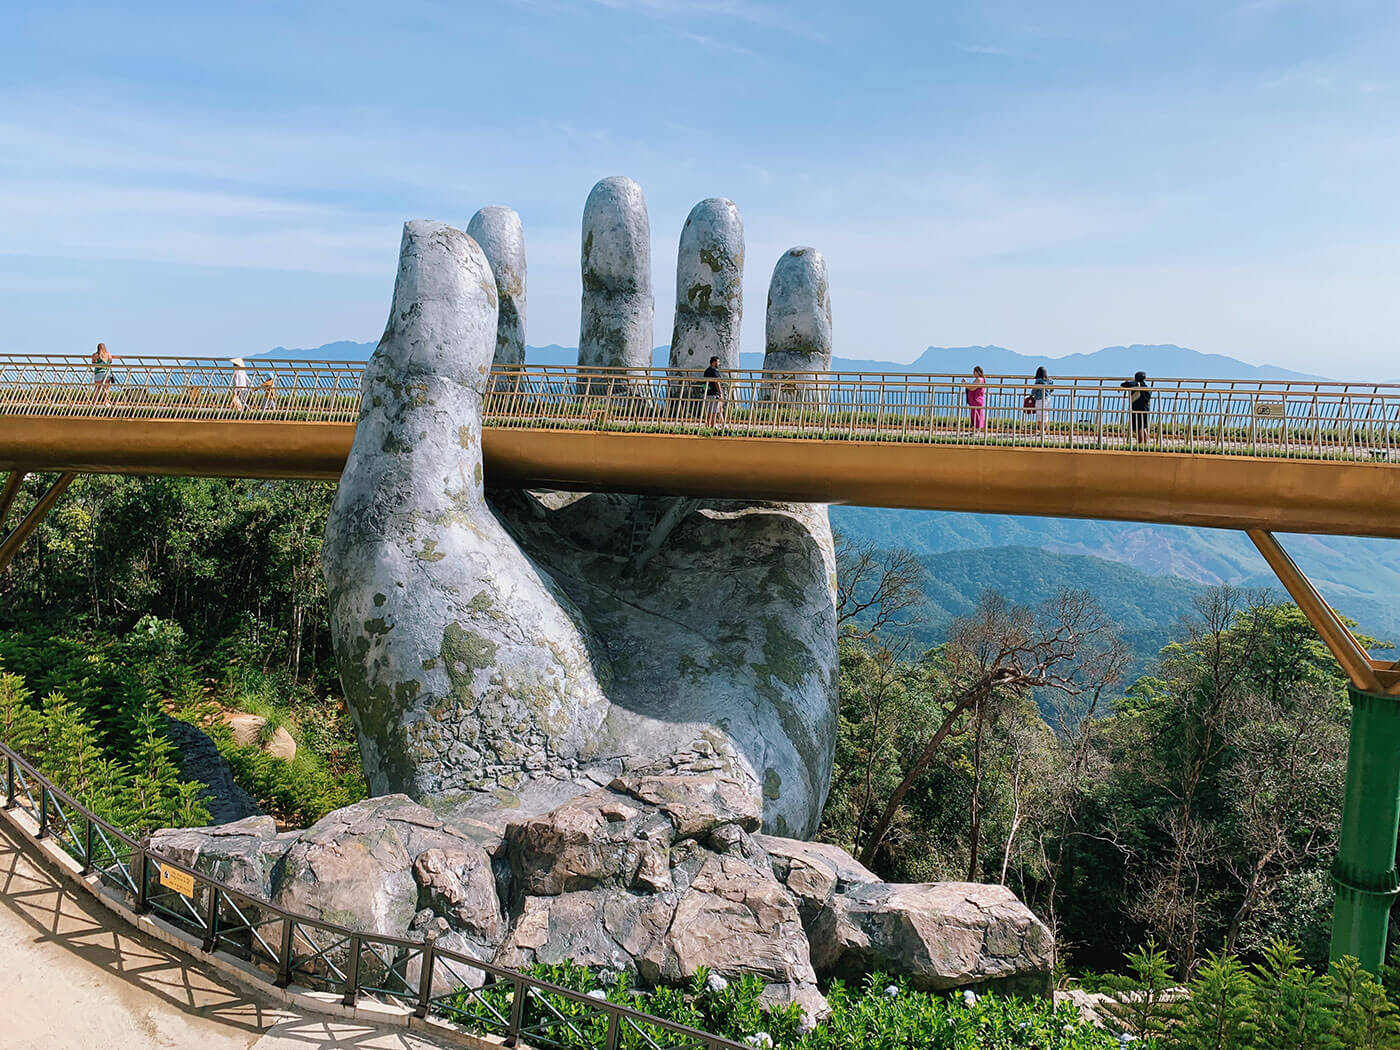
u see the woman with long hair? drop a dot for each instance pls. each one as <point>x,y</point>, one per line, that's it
<point>1041,386</point>
<point>975,394</point>
<point>102,379</point>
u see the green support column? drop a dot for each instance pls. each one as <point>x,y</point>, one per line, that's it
<point>1364,872</point>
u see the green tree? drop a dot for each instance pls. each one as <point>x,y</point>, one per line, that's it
<point>1217,1014</point>
<point>1142,1004</point>
<point>1294,1005</point>
<point>1367,1020</point>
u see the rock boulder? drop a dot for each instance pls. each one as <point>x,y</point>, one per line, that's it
<point>939,935</point>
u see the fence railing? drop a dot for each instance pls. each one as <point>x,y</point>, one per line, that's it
<point>1311,420</point>
<point>181,388</point>
<point>286,949</point>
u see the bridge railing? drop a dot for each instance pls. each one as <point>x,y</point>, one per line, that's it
<point>283,948</point>
<point>1303,420</point>
<point>181,388</point>
<point>1291,419</point>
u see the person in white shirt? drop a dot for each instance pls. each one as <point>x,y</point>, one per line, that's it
<point>240,382</point>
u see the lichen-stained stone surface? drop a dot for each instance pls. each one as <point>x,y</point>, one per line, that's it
<point>461,662</point>
<point>509,649</point>
<point>501,237</point>
<point>798,330</point>
<point>616,326</point>
<point>721,647</point>
<point>709,287</point>
<point>813,872</point>
<point>659,886</point>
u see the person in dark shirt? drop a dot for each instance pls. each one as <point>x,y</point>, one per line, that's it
<point>714,395</point>
<point>1140,397</point>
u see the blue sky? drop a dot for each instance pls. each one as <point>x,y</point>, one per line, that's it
<point>1052,177</point>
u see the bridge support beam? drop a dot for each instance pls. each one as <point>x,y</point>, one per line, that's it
<point>31,521</point>
<point>1364,872</point>
<point>9,492</point>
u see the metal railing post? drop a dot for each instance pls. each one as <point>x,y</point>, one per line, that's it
<point>352,973</point>
<point>43,812</point>
<point>425,978</point>
<point>614,1030</point>
<point>517,1011</point>
<point>143,903</point>
<point>211,921</point>
<point>87,846</point>
<point>284,961</point>
<point>9,782</point>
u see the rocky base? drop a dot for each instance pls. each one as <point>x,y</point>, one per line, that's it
<point>657,876</point>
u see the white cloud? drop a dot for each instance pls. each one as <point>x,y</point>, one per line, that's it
<point>986,49</point>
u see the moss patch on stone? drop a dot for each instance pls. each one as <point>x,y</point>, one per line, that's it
<point>772,784</point>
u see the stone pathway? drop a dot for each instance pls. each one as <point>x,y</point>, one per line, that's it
<point>75,977</point>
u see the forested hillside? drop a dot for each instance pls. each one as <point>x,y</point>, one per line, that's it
<point>1356,575</point>
<point>1146,609</point>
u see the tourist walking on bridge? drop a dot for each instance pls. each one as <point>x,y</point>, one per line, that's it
<point>1041,386</point>
<point>714,395</point>
<point>1140,400</point>
<point>102,378</point>
<point>239,383</point>
<point>975,393</point>
<point>268,389</point>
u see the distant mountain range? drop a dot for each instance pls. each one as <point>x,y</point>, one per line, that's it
<point>1157,360</point>
<point>1358,576</point>
<point>1145,575</point>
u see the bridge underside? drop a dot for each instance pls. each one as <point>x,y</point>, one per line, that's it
<point>1219,491</point>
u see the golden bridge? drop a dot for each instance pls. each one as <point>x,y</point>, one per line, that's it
<point>1292,457</point>
<point>1313,457</point>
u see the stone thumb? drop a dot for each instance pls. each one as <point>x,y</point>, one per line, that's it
<point>418,439</point>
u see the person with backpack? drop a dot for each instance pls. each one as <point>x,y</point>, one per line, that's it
<point>1035,403</point>
<point>1140,401</point>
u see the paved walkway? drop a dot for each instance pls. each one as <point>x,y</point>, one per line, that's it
<point>73,976</point>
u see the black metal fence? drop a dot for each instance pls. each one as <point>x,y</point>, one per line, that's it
<point>285,949</point>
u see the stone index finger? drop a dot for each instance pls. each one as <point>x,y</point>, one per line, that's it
<point>615,329</point>
<point>502,238</point>
<point>798,329</point>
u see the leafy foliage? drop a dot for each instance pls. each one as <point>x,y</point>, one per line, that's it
<point>882,1014</point>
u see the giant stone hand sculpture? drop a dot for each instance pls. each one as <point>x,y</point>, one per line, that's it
<point>520,647</point>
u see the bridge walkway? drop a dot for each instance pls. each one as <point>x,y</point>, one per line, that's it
<point>78,977</point>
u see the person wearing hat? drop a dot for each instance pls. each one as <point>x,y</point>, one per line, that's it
<point>1140,397</point>
<point>240,382</point>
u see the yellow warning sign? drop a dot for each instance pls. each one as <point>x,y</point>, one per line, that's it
<point>179,881</point>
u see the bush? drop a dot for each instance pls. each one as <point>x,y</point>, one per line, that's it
<point>883,1014</point>
<point>140,794</point>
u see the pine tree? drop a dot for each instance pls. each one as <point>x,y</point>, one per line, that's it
<point>20,724</point>
<point>1217,1015</point>
<point>1142,1007</point>
<point>154,791</point>
<point>1367,1019</point>
<point>67,747</point>
<point>1294,1007</point>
